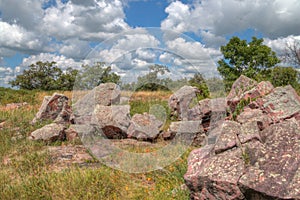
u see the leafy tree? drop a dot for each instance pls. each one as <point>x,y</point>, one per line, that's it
<point>67,80</point>
<point>151,81</point>
<point>245,58</point>
<point>45,76</point>
<point>92,76</point>
<point>199,82</point>
<point>281,76</point>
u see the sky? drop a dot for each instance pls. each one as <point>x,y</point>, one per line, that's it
<point>130,35</point>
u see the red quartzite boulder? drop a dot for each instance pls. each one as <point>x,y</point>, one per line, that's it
<point>282,103</point>
<point>144,127</point>
<point>54,107</point>
<point>245,88</point>
<point>105,94</point>
<point>49,133</point>
<point>180,101</point>
<point>114,120</point>
<point>264,167</point>
<point>274,167</point>
<point>255,157</point>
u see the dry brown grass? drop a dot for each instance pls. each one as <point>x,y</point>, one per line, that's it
<point>150,95</point>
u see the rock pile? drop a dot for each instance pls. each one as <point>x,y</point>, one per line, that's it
<point>256,154</point>
<point>101,108</point>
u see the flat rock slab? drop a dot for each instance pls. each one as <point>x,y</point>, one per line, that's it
<point>63,157</point>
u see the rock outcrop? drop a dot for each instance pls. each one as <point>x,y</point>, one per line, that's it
<point>255,156</point>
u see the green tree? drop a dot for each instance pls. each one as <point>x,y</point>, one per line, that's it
<point>67,80</point>
<point>281,76</point>
<point>45,76</point>
<point>92,76</point>
<point>151,81</point>
<point>248,59</point>
<point>199,82</point>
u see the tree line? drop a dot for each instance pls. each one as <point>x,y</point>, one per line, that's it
<point>252,59</point>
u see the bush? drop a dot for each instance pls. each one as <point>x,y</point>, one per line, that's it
<point>45,76</point>
<point>199,82</point>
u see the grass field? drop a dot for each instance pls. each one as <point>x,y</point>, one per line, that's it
<point>25,171</point>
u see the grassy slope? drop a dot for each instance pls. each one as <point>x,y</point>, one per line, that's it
<point>27,175</point>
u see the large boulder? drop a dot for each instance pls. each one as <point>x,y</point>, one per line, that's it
<point>246,163</point>
<point>54,107</point>
<point>113,120</point>
<point>282,103</point>
<point>239,87</point>
<point>49,133</point>
<point>105,94</point>
<point>144,127</point>
<point>247,89</point>
<point>181,101</point>
<point>257,155</point>
<point>257,116</point>
<point>214,177</point>
<point>274,167</point>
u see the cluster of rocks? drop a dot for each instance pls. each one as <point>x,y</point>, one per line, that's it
<point>255,155</point>
<point>100,107</point>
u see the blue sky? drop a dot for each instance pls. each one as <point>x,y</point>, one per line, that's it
<point>66,31</point>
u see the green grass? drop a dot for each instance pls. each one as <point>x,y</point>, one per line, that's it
<point>25,171</point>
<point>16,96</point>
